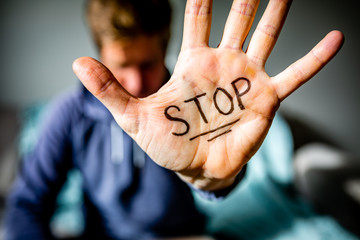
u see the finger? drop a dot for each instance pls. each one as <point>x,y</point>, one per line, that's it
<point>104,86</point>
<point>302,70</point>
<point>197,23</point>
<point>267,31</point>
<point>239,22</point>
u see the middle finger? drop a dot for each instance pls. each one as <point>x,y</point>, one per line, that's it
<point>239,22</point>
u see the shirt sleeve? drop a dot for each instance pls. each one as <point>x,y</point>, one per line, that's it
<point>41,175</point>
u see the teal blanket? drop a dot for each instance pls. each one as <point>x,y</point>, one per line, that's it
<point>264,205</point>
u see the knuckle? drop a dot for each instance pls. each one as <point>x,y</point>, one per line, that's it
<point>256,60</point>
<point>298,72</point>
<point>317,56</point>
<point>198,8</point>
<point>268,30</point>
<point>244,8</point>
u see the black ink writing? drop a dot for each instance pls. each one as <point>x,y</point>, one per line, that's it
<point>177,119</point>
<point>239,94</point>
<point>214,130</point>
<point>196,100</point>
<point>239,89</point>
<point>230,98</point>
<point>209,140</point>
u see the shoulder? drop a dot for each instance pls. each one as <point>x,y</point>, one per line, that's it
<point>70,109</point>
<point>67,103</point>
<point>62,112</point>
<point>77,103</point>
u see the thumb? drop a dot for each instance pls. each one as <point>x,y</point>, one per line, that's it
<point>103,85</point>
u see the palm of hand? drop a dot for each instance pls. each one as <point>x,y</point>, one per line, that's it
<point>235,127</point>
<point>216,109</point>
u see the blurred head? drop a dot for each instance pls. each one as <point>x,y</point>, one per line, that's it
<point>132,37</point>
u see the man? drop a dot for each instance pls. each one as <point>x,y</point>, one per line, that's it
<point>123,199</point>
<point>202,126</point>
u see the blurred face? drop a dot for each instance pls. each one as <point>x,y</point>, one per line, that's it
<point>137,64</point>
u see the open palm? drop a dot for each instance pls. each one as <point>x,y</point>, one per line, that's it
<point>215,111</point>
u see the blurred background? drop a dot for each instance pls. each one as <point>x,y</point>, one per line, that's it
<point>41,38</point>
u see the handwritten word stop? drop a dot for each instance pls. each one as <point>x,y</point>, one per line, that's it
<point>222,111</point>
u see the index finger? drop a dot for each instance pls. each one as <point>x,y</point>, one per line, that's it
<point>197,23</point>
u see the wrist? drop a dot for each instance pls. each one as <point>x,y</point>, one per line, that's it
<point>212,184</point>
<point>219,194</point>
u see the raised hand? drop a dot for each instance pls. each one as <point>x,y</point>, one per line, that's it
<point>210,118</point>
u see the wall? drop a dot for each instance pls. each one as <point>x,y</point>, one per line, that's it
<point>40,39</point>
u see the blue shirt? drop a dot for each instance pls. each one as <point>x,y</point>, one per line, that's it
<point>126,195</point>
